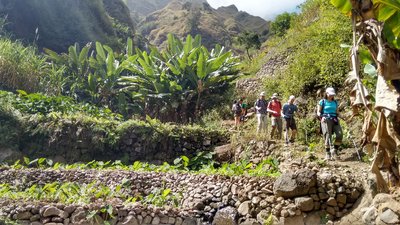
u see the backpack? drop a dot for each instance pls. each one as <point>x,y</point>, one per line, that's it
<point>236,108</point>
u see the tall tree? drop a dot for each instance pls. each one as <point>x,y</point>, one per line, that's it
<point>249,40</point>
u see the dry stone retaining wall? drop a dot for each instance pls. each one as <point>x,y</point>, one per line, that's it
<point>246,200</point>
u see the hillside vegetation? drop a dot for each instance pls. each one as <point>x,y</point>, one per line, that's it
<point>58,24</point>
<point>310,50</point>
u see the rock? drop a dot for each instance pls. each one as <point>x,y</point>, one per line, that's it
<point>129,220</point>
<point>189,221</point>
<point>312,219</point>
<point>223,153</point>
<point>331,201</point>
<point>323,196</point>
<point>244,208</point>
<point>178,221</point>
<point>53,211</point>
<point>291,185</point>
<point>295,220</point>
<point>23,215</point>
<point>35,218</point>
<point>305,204</point>
<point>255,200</point>
<point>262,216</point>
<point>36,223</point>
<point>341,198</point>
<point>226,216</point>
<point>78,215</point>
<point>147,219</point>
<point>250,221</point>
<point>156,220</point>
<point>369,215</point>
<point>389,217</point>
<point>330,210</point>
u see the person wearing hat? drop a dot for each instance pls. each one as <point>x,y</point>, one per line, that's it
<point>261,112</point>
<point>275,108</point>
<point>288,111</point>
<point>328,114</point>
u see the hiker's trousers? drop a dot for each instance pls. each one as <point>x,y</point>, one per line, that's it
<point>261,123</point>
<point>329,127</point>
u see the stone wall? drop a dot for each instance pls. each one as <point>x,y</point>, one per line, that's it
<point>59,214</point>
<point>70,141</point>
<point>249,200</point>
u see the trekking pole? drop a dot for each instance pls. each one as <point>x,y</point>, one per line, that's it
<point>355,146</point>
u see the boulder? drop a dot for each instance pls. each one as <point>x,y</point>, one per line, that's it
<point>129,220</point>
<point>54,211</point>
<point>226,216</point>
<point>296,184</point>
<point>244,208</point>
<point>389,217</point>
<point>223,153</point>
<point>305,204</point>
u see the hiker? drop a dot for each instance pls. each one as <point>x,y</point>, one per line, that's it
<point>237,111</point>
<point>288,111</point>
<point>244,109</point>
<point>275,108</point>
<point>328,113</point>
<point>261,112</point>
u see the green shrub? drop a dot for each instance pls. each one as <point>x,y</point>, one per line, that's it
<point>312,44</point>
<point>20,67</point>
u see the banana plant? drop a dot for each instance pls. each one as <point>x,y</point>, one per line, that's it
<point>197,69</point>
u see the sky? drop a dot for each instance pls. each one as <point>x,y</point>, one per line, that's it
<point>266,9</point>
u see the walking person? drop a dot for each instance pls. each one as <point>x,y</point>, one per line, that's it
<point>237,111</point>
<point>275,108</point>
<point>288,111</point>
<point>261,112</point>
<point>328,113</point>
<point>244,110</point>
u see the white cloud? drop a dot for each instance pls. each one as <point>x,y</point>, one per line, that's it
<point>263,8</point>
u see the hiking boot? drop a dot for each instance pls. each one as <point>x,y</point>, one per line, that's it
<point>327,156</point>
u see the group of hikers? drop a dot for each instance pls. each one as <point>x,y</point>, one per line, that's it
<point>284,117</point>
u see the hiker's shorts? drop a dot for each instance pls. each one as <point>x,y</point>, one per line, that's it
<point>290,123</point>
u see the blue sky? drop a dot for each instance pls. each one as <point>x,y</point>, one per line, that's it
<point>267,9</point>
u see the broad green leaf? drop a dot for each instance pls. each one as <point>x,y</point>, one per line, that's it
<point>342,5</point>
<point>395,4</point>
<point>84,54</point>
<point>100,52</point>
<point>129,47</point>
<point>370,70</point>
<point>384,12</point>
<point>201,66</point>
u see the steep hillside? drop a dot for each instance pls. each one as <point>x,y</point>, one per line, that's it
<point>308,57</point>
<point>58,24</point>
<point>198,17</point>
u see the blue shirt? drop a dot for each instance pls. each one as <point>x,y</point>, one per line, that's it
<point>329,108</point>
<point>288,110</point>
<point>262,103</point>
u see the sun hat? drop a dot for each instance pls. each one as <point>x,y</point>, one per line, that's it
<point>292,97</point>
<point>330,91</point>
<point>262,94</point>
<point>275,95</point>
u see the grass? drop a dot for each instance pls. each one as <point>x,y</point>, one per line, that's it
<point>20,66</point>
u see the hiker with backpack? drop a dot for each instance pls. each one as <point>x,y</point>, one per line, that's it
<point>274,108</point>
<point>288,111</point>
<point>328,114</point>
<point>261,112</point>
<point>237,111</point>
